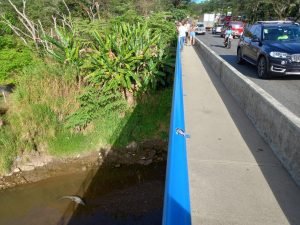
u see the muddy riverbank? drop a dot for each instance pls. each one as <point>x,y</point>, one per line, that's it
<point>45,167</point>
<point>126,195</point>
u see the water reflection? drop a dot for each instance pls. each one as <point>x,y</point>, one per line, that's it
<point>117,196</point>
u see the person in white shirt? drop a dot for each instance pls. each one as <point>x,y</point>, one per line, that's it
<point>181,34</point>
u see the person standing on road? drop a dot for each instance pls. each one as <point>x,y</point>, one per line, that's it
<point>187,32</point>
<point>193,34</point>
<point>181,34</point>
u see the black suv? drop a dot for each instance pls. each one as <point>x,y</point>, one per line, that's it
<point>273,46</point>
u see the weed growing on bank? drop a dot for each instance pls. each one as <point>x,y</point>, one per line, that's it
<point>8,150</point>
<point>38,107</point>
<point>148,119</point>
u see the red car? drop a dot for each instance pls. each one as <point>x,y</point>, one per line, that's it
<point>237,28</point>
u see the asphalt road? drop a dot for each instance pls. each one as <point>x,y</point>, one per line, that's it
<point>285,89</point>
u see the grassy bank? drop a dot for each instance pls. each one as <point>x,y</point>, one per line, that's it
<point>148,119</point>
<point>79,90</point>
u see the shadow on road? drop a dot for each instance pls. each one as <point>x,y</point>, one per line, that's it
<point>283,78</point>
<point>218,46</point>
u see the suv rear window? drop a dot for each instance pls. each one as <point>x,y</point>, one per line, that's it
<point>200,25</point>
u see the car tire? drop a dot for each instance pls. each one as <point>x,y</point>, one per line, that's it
<point>239,57</point>
<point>262,68</point>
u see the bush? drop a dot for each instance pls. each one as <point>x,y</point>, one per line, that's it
<point>127,59</point>
<point>13,57</point>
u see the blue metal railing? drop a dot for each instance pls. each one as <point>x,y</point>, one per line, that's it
<point>177,209</point>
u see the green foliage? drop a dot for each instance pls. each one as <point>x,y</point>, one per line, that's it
<point>34,9</point>
<point>37,122</point>
<point>13,57</point>
<point>149,119</point>
<point>44,97</point>
<point>256,9</point>
<point>163,23</point>
<point>86,28</point>
<point>66,49</point>
<point>181,3</point>
<point>94,104</point>
<point>127,58</point>
<point>112,59</point>
<point>130,16</point>
<point>179,14</point>
<point>8,149</point>
<point>120,7</point>
<point>66,143</point>
<point>8,15</point>
<point>7,41</point>
<point>47,8</point>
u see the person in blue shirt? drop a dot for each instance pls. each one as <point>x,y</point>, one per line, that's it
<point>228,33</point>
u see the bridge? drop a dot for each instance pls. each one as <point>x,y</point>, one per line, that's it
<point>233,150</point>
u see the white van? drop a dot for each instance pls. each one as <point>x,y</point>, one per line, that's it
<point>200,28</point>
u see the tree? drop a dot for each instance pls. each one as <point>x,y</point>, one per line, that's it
<point>255,10</point>
<point>29,31</point>
<point>180,3</point>
<point>284,8</point>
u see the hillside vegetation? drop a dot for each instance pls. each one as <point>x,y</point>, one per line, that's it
<point>86,74</point>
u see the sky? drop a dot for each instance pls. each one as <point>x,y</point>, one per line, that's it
<point>198,1</point>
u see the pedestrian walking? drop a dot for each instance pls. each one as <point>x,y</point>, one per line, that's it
<point>181,34</point>
<point>193,34</point>
<point>187,32</point>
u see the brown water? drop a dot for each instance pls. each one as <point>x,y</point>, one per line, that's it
<point>113,196</point>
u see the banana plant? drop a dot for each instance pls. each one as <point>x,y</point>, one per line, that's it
<point>66,50</point>
<point>127,59</point>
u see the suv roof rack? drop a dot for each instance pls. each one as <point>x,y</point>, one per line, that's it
<point>276,21</point>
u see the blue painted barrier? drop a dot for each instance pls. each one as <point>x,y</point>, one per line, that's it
<point>177,210</point>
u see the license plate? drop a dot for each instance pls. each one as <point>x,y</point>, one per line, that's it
<point>296,58</point>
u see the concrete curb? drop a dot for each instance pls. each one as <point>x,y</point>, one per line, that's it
<point>279,127</point>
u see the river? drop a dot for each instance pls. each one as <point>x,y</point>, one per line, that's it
<point>131,194</point>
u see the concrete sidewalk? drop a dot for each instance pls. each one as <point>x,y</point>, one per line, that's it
<point>235,179</point>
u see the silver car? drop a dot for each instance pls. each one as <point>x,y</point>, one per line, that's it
<point>217,29</point>
<point>200,29</point>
